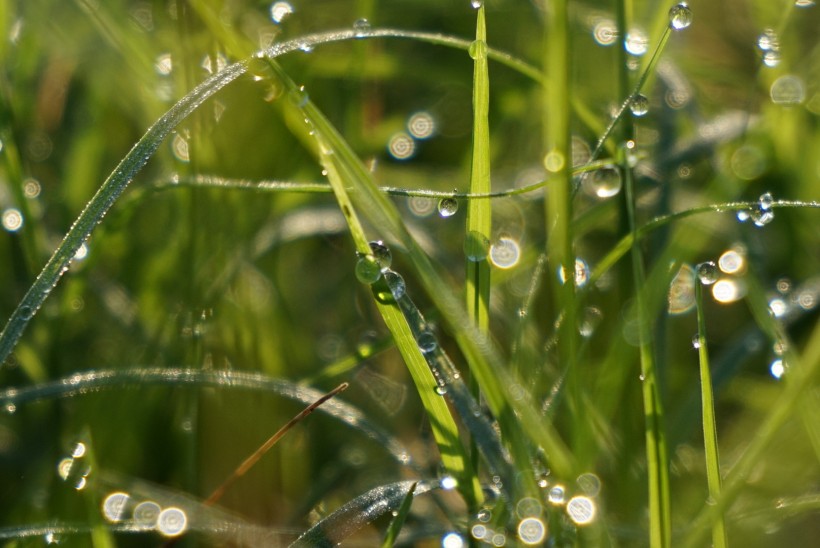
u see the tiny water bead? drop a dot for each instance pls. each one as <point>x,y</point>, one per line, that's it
<point>708,272</point>
<point>639,105</point>
<point>484,515</point>
<point>788,90</point>
<point>368,269</point>
<point>381,253</point>
<point>476,4</point>
<point>476,246</point>
<point>581,273</point>
<point>427,342</point>
<point>401,146</point>
<point>556,495</point>
<point>766,201</point>
<point>447,207</point>
<point>680,16</point>
<point>361,28</point>
<point>448,483</point>
<point>696,343</point>
<point>531,531</point>
<point>768,40</point>
<point>777,368</point>
<point>602,183</point>
<point>441,390</point>
<point>478,49</point>
<point>298,97</point>
<point>395,282</point>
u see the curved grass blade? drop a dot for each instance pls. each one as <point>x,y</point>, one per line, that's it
<point>139,155</point>
<point>398,520</point>
<point>97,380</point>
<point>359,512</point>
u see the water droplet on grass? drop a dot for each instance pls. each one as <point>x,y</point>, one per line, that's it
<point>298,97</point>
<point>361,28</point>
<point>382,253</point>
<point>484,515</point>
<point>639,105</point>
<point>447,207</point>
<point>766,201</point>
<point>768,41</point>
<point>476,246</point>
<point>448,483</point>
<point>771,58</point>
<point>396,284</point>
<point>788,90</point>
<point>476,4</point>
<point>581,273</point>
<point>441,390</point>
<point>708,272</point>
<point>680,16</point>
<point>603,183</point>
<point>427,342</point>
<point>368,269</point>
<point>478,49</point>
<point>696,341</point>
<point>556,495</point>
<point>777,368</point>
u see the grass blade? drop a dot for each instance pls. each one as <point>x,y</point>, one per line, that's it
<point>710,442</point>
<point>398,520</point>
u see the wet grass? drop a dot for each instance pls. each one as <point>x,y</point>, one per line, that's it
<point>241,206</point>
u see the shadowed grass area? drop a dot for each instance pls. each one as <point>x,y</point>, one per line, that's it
<point>491,220</point>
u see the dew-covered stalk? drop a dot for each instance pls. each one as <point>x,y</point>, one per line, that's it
<point>479,215</point>
<point>710,443</point>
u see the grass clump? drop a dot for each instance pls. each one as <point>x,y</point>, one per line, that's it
<point>499,227</point>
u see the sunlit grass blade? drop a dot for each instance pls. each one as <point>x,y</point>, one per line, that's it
<point>359,512</point>
<point>710,440</point>
<point>398,520</point>
<point>87,382</point>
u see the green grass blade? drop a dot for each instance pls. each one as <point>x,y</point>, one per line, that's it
<point>710,442</point>
<point>398,520</point>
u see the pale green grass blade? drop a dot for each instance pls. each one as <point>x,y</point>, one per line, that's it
<point>359,512</point>
<point>710,439</point>
<point>398,520</point>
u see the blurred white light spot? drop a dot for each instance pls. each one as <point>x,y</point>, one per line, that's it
<point>777,368</point>
<point>505,253</point>
<point>280,10</point>
<point>12,219</point>
<point>732,262</point>
<point>581,510</point>
<point>452,540</point>
<point>605,32</point>
<point>172,522</point>
<point>479,531</point>
<point>79,450</point>
<point>728,290</point>
<point>531,531</point>
<point>146,514</point>
<point>31,188</point>
<point>681,297</point>
<point>115,505</point>
<point>64,467</point>
<point>448,482</point>
<point>401,146</point>
<point>778,307</point>
<point>421,125</point>
<point>164,64</point>
<point>179,146</point>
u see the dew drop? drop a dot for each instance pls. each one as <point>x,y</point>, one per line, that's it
<point>368,270</point>
<point>766,201</point>
<point>680,16</point>
<point>768,41</point>
<point>298,97</point>
<point>361,28</point>
<point>696,341</point>
<point>476,246</point>
<point>762,217</point>
<point>26,312</point>
<point>639,105</point>
<point>448,483</point>
<point>382,253</point>
<point>708,272</point>
<point>396,284</point>
<point>603,183</point>
<point>427,342</point>
<point>777,368</point>
<point>447,207</point>
<point>484,515</point>
<point>771,58</point>
<point>478,49</point>
<point>441,390</point>
<point>476,4</point>
<point>581,273</point>
<point>556,495</point>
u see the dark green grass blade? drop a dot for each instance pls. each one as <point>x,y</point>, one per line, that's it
<point>398,520</point>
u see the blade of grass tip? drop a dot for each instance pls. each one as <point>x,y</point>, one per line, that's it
<point>398,520</point>
<point>360,511</point>
<point>802,377</point>
<point>479,215</point>
<point>368,269</point>
<point>710,442</point>
<point>248,463</point>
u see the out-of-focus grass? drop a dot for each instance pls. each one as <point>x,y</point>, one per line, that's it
<point>212,278</point>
